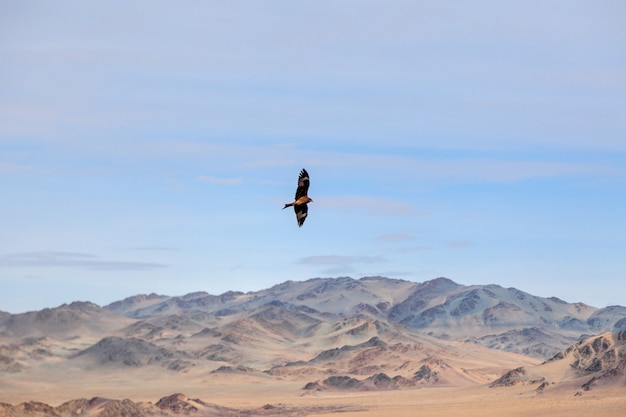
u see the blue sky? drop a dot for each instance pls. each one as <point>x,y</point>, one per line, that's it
<point>149,146</point>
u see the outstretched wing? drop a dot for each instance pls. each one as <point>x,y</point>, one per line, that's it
<point>301,212</point>
<point>303,185</point>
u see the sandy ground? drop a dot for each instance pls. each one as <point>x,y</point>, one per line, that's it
<point>467,402</point>
<point>480,402</point>
<point>244,392</point>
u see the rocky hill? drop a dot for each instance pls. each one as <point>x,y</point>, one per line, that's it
<point>593,362</point>
<point>62,321</point>
<point>489,315</point>
<point>169,406</point>
<point>343,333</point>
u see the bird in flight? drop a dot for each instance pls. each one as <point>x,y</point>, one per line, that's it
<point>300,203</point>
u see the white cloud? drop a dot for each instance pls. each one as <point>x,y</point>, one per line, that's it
<point>13,168</point>
<point>338,264</point>
<point>340,260</point>
<point>371,205</point>
<point>73,260</point>
<point>395,237</point>
<point>413,249</point>
<point>339,270</point>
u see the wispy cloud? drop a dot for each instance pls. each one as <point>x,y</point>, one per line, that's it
<point>423,165</point>
<point>73,260</point>
<point>413,249</point>
<point>395,237</point>
<point>154,249</point>
<point>399,240</point>
<point>371,205</point>
<point>338,264</point>
<point>340,260</point>
<point>395,273</point>
<point>340,270</point>
<point>6,168</point>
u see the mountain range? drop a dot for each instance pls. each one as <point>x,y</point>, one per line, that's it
<point>372,333</point>
<point>496,317</point>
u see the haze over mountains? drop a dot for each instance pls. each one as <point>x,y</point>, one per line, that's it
<point>373,333</point>
<point>501,318</point>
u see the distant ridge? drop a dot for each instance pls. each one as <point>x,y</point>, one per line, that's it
<point>171,405</point>
<point>490,315</point>
<point>372,333</point>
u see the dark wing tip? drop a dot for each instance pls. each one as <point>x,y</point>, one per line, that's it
<point>303,184</point>
<point>304,176</point>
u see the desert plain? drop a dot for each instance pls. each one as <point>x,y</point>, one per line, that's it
<point>323,347</point>
<point>246,396</point>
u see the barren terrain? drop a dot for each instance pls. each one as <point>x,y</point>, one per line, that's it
<point>321,347</point>
<point>241,398</point>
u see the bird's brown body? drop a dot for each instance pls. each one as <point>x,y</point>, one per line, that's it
<point>302,199</point>
<point>298,202</point>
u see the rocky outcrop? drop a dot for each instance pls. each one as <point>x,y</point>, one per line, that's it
<point>179,404</point>
<point>131,352</point>
<point>174,405</point>
<point>347,349</point>
<point>534,341</point>
<point>97,407</point>
<point>427,374</point>
<point>596,354</point>
<point>512,377</point>
<point>379,381</point>
<point>595,361</point>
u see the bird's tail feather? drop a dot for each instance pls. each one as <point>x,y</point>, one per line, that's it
<point>288,205</point>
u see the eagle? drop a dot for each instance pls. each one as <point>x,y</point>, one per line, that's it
<point>300,203</point>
